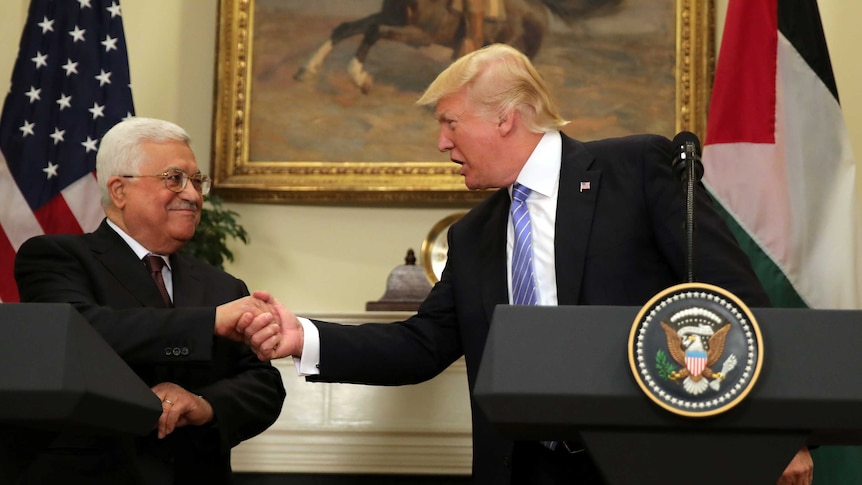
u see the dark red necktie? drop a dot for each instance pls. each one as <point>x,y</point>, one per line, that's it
<point>155,263</point>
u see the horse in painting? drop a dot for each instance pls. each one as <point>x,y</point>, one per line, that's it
<point>422,23</point>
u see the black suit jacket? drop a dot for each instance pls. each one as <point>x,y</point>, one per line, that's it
<point>618,243</point>
<point>101,276</point>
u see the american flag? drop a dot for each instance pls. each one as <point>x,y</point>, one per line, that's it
<point>70,84</point>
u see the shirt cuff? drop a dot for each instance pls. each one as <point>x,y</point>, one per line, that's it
<point>307,365</point>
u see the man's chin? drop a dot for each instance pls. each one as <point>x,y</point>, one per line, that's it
<point>474,186</point>
<point>183,234</point>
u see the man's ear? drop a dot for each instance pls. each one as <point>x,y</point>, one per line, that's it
<point>117,190</point>
<point>506,122</point>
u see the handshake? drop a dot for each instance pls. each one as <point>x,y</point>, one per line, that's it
<point>271,330</point>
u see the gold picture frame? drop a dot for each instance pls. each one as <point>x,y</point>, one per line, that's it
<point>246,169</point>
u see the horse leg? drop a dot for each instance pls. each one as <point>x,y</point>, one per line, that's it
<point>339,33</point>
<point>411,35</point>
<point>314,62</point>
<point>533,36</point>
<point>356,68</point>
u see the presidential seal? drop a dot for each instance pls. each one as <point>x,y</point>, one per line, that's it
<point>695,349</point>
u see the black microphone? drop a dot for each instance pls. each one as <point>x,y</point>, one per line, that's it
<point>687,149</point>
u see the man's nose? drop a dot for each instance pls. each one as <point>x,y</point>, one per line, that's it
<point>444,144</point>
<point>190,193</point>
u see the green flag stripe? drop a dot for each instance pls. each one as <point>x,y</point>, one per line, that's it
<point>778,287</point>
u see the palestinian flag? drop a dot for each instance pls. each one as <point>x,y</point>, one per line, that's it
<point>778,160</point>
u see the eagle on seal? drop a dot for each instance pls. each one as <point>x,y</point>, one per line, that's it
<point>686,346</point>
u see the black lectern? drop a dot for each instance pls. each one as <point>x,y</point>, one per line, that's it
<point>562,373</point>
<point>60,375</point>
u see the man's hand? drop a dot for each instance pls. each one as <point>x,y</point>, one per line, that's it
<point>800,471</point>
<point>272,336</point>
<point>180,408</point>
<point>229,314</point>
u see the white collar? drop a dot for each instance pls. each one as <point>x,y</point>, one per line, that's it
<point>541,172</point>
<point>138,248</point>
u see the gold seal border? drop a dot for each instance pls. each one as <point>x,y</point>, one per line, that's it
<point>695,287</point>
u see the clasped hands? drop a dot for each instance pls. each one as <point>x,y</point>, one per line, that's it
<point>271,330</point>
<point>180,408</point>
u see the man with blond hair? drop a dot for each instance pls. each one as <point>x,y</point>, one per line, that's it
<point>606,228</point>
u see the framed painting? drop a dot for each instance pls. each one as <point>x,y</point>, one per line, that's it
<point>315,101</point>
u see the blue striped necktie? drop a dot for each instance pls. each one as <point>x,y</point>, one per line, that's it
<point>523,277</point>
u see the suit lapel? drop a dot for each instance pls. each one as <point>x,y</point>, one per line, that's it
<point>576,202</point>
<point>188,284</point>
<point>493,236</point>
<point>120,261</point>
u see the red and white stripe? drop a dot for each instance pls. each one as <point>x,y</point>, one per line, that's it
<point>76,210</point>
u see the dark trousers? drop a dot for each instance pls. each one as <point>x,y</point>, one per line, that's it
<point>534,464</point>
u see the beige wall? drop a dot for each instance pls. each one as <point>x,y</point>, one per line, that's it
<point>318,259</point>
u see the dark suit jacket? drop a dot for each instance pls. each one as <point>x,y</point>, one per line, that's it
<point>618,243</point>
<point>101,276</point>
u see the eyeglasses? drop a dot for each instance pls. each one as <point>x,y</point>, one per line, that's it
<point>176,180</point>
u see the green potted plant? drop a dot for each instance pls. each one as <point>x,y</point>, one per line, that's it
<point>216,227</point>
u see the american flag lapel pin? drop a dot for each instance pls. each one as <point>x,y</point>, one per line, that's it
<point>585,185</point>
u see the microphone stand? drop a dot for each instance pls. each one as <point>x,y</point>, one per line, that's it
<point>689,168</point>
<point>689,215</point>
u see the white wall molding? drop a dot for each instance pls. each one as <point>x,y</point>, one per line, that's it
<point>347,428</point>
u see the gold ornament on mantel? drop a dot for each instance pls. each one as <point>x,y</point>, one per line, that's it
<point>406,288</point>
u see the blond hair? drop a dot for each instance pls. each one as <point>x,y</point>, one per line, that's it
<point>499,78</point>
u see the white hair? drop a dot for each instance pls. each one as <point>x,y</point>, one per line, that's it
<point>121,152</point>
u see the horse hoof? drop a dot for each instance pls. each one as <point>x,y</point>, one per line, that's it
<point>366,85</point>
<point>359,75</point>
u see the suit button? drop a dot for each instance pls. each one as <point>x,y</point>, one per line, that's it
<point>168,351</point>
<point>185,351</point>
<point>176,351</point>
<point>507,461</point>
